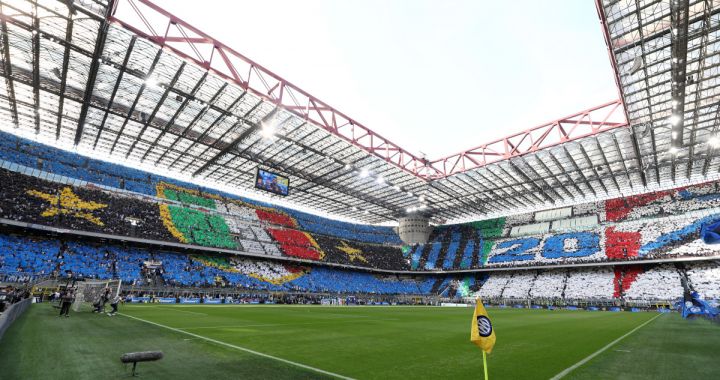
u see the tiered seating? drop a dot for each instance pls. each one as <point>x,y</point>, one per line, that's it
<point>705,278</point>
<point>467,254</point>
<point>296,243</point>
<point>104,262</point>
<point>452,250</point>
<point>86,261</point>
<point>64,163</point>
<point>590,284</point>
<point>659,283</point>
<point>549,284</point>
<point>44,202</point>
<point>19,254</point>
<point>433,255</point>
<point>201,228</point>
<point>657,225</point>
<point>519,285</point>
<point>494,286</point>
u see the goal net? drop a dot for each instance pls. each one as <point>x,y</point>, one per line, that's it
<point>91,291</point>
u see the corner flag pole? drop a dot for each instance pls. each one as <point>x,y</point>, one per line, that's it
<point>485,364</point>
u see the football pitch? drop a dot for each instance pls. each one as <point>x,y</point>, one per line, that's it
<point>283,342</point>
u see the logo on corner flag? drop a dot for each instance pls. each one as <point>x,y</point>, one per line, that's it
<point>482,333</point>
<point>484,326</point>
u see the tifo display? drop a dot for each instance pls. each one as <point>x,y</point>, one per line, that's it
<point>662,225</point>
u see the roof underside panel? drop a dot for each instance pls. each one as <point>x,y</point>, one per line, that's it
<point>123,91</point>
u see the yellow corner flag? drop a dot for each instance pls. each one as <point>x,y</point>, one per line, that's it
<point>482,332</point>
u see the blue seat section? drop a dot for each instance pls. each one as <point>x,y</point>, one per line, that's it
<point>452,249</point>
<point>18,254</point>
<point>57,161</point>
<point>86,261</point>
<point>21,254</point>
<point>467,254</point>
<point>433,255</point>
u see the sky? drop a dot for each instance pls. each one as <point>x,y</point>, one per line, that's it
<point>436,77</point>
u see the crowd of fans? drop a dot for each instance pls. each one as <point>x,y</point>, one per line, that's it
<point>139,267</point>
<point>10,295</point>
<point>71,165</point>
<point>40,201</point>
<point>152,267</point>
<point>214,219</point>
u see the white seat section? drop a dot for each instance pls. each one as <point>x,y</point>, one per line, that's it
<point>659,283</point>
<point>252,246</point>
<point>493,287</point>
<point>260,233</point>
<point>549,284</point>
<point>271,249</point>
<point>233,225</point>
<point>519,285</point>
<point>592,283</point>
<point>705,279</point>
<point>247,233</point>
<point>245,213</point>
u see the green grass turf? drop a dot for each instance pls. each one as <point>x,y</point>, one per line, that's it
<point>358,342</point>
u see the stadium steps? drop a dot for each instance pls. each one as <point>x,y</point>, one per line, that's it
<point>567,275</point>
<point>436,286</point>
<point>444,248</point>
<point>464,237</point>
<point>478,250</point>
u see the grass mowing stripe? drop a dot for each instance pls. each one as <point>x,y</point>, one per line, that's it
<point>284,324</point>
<point>600,351</point>
<point>242,348</point>
<point>178,310</point>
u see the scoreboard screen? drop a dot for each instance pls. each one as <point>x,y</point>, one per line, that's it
<point>272,182</point>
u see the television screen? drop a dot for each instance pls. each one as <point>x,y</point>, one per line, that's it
<point>272,182</point>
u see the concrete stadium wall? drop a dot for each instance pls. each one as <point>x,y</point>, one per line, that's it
<point>12,313</point>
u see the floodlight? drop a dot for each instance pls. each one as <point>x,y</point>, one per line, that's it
<point>714,141</point>
<point>674,119</point>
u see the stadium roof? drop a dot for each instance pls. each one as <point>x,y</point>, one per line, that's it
<point>148,87</point>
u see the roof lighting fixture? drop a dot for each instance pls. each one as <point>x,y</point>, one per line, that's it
<point>380,180</point>
<point>151,82</point>
<point>411,194</point>
<point>364,173</point>
<point>674,119</point>
<point>366,212</point>
<point>397,188</point>
<point>673,150</point>
<point>714,142</point>
<point>267,131</point>
<point>348,166</point>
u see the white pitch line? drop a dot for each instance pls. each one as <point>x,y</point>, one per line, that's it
<point>600,351</point>
<point>182,311</point>
<point>242,349</point>
<point>283,324</point>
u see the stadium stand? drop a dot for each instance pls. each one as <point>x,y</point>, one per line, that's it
<point>31,256</point>
<point>86,260</point>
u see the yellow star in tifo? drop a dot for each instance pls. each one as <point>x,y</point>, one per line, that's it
<point>69,204</point>
<point>353,253</point>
